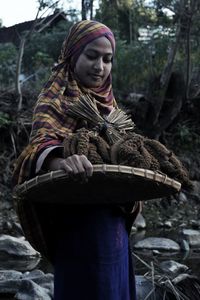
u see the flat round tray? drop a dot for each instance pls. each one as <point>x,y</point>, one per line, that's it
<point>110,184</point>
<point>42,201</point>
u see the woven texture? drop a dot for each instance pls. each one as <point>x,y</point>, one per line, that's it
<point>122,185</point>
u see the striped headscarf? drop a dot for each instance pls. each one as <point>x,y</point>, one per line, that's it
<point>62,79</point>
<point>50,122</point>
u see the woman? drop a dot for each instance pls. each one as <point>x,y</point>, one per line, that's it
<point>92,257</point>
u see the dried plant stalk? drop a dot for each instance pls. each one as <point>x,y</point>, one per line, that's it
<point>109,126</point>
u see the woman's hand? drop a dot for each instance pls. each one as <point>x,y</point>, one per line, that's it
<point>77,165</point>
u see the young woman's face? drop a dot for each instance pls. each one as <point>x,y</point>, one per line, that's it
<point>94,64</point>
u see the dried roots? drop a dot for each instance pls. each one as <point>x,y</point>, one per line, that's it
<point>138,151</point>
<point>131,150</point>
<point>86,142</point>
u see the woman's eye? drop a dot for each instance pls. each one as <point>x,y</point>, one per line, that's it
<point>107,60</point>
<point>90,57</point>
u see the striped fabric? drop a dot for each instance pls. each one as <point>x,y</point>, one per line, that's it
<point>50,123</point>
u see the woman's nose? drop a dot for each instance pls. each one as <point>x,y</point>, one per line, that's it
<point>98,64</point>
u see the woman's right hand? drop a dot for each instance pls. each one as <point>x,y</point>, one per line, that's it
<point>77,165</point>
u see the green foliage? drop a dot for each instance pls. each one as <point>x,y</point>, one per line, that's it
<point>135,63</point>
<point>4,119</point>
<point>43,4</point>
<point>8,55</point>
<point>187,137</point>
<point>107,14</point>
<point>40,53</point>
<point>127,16</point>
<point>130,69</point>
<point>158,46</point>
<point>44,49</point>
<point>137,57</point>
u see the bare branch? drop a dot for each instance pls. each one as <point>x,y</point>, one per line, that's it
<point>23,39</point>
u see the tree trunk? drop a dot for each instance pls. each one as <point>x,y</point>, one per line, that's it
<point>83,10</point>
<point>18,72</point>
<point>91,9</point>
<point>189,14</point>
<point>157,96</point>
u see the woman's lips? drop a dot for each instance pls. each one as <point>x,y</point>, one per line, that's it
<point>96,76</point>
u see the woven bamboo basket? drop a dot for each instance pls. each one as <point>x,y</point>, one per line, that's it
<point>109,185</point>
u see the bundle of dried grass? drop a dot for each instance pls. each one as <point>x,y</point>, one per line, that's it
<point>181,287</point>
<point>111,125</point>
<point>170,286</point>
<point>111,139</point>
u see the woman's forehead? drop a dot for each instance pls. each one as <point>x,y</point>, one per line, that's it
<point>101,44</point>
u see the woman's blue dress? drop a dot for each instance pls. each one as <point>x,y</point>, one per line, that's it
<point>93,260</point>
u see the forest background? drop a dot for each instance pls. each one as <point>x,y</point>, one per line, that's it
<point>156,73</point>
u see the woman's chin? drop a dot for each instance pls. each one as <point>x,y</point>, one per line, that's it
<point>93,85</point>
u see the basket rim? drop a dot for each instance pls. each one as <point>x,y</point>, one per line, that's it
<point>100,168</point>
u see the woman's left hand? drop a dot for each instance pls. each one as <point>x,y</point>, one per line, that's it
<point>77,166</point>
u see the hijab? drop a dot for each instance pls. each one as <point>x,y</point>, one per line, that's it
<point>63,80</point>
<point>51,124</point>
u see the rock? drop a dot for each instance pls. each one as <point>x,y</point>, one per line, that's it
<point>155,252</point>
<point>182,225</point>
<point>25,263</point>
<point>9,281</point>
<point>7,225</point>
<point>33,274</point>
<point>9,287</point>
<point>196,188</point>
<point>16,246</point>
<point>195,224</point>
<point>157,243</point>
<point>182,197</point>
<point>172,267</point>
<point>133,230</point>
<point>192,237</point>
<point>44,280</point>
<point>17,229</point>
<point>145,289</point>
<point>140,222</point>
<point>184,246</point>
<point>160,224</point>
<point>137,236</point>
<point>27,286</point>
<point>17,253</point>
<point>10,274</point>
<point>36,285</point>
<point>168,224</point>
<point>29,290</point>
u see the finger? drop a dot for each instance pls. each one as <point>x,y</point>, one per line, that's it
<point>75,163</point>
<point>78,171</point>
<point>64,166</point>
<point>88,167</point>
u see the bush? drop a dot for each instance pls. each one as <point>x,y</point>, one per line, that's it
<point>8,57</point>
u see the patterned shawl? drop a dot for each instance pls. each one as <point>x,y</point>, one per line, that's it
<point>50,122</point>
